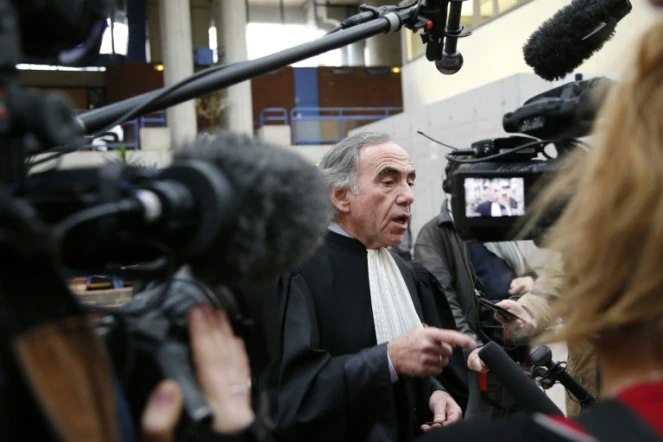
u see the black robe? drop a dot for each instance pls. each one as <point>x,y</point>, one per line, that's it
<point>332,382</point>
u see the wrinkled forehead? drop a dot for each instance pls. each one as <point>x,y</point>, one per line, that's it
<point>375,157</point>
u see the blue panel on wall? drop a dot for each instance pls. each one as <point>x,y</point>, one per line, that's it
<point>306,126</point>
<point>203,57</point>
<point>306,87</point>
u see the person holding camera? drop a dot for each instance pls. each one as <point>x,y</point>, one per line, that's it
<point>535,312</point>
<point>495,271</point>
<point>610,236</point>
<point>222,369</point>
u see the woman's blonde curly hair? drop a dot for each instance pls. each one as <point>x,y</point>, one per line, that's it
<point>611,233</point>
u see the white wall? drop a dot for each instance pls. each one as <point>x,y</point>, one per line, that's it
<point>494,51</point>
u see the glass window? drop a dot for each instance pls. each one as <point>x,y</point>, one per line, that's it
<point>118,42</point>
<point>260,42</point>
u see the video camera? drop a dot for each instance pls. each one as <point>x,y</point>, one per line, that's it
<point>494,184</point>
<point>217,227</point>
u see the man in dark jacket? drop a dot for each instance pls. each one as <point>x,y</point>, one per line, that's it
<point>361,347</point>
<point>467,271</point>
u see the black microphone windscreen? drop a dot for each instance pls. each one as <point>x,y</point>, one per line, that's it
<point>283,209</point>
<point>522,388</point>
<point>572,35</point>
<point>449,64</point>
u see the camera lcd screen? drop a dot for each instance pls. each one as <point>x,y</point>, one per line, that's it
<point>494,197</point>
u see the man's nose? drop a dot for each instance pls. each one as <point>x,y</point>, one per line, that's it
<point>406,197</point>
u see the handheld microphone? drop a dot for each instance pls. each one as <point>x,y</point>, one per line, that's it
<point>541,357</point>
<point>235,209</point>
<point>521,387</point>
<point>572,35</point>
<point>452,61</point>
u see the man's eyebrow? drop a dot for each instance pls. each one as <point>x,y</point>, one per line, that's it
<point>389,170</point>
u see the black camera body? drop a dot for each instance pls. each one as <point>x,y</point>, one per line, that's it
<point>494,185</point>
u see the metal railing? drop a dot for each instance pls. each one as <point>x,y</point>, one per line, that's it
<point>308,125</point>
<point>131,132</point>
<point>323,125</point>
<point>271,115</point>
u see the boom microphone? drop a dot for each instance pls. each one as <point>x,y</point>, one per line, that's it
<point>572,35</point>
<point>452,60</point>
<point>235,209</point>
<point>283,209</point>
<point>521,387</point>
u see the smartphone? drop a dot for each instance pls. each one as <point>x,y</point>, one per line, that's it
<point>496,308</point>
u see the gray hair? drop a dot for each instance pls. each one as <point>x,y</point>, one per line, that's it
<point>340,163</point>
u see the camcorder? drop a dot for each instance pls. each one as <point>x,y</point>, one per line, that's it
<point>494,184</point>
<point>218,226</point>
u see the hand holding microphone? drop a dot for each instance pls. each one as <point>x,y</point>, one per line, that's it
<point>475,363</point>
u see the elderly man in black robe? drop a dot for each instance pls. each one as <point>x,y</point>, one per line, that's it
<point>362,341</point>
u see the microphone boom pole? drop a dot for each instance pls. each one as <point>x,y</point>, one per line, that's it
<point>97,119</point>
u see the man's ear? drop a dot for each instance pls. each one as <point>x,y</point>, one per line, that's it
<point>340,198</point>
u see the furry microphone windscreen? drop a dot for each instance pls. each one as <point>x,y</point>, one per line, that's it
<point>282,209</point>
<point>572,35</point>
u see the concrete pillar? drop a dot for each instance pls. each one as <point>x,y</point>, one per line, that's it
<point>154,31</point>
<point>385,49</point>
<point>201,20</point>
<point>356,54</point>
<point>345,56</point>
<point>230,18</point>
<point>178,64</point>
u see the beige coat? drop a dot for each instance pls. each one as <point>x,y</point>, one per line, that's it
<point>581,360</point>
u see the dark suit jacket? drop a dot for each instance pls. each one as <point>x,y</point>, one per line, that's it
<point>484,208</point>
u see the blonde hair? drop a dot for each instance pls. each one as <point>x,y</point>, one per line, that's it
<point>611,233</point>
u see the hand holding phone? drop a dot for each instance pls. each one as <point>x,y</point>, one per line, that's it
<point>497,309</point>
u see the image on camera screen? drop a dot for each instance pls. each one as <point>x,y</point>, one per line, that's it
<point>494,197</point>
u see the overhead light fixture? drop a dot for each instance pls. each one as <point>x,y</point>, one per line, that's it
<point>396,70</point>
<point>158,67</point>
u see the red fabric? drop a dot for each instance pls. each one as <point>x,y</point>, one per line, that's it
<point>646,400</point>
<point>483,382</point>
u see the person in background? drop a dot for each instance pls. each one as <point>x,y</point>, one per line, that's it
<point>495,271</point>
<point>404,249</point>
<point>535,311</point>
<point>610,237</point>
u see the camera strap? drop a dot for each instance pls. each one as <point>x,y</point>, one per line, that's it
<point>612,421</point>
